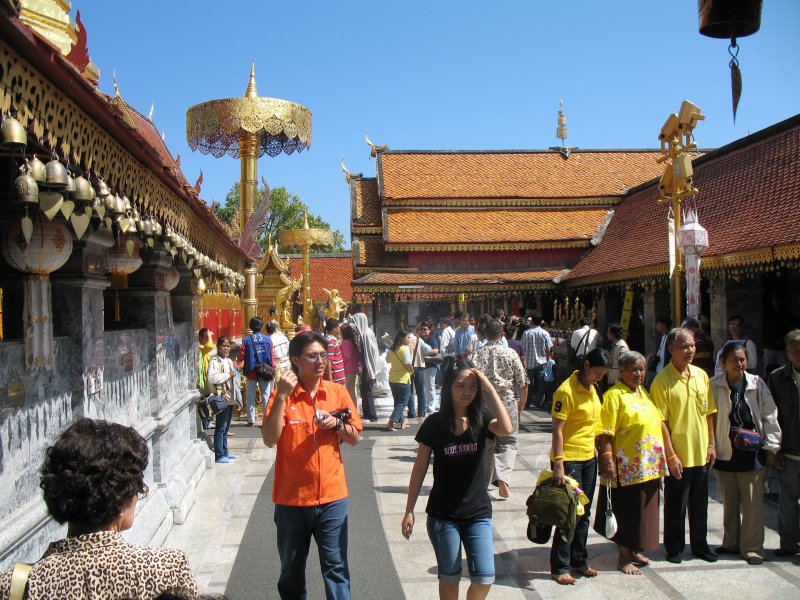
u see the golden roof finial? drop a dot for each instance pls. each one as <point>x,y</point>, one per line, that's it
<point>305,219</point>
<point>116,88</point>
<point>269,241</point>
<point>251,91</point>
<point>561,131</point>
<point>150,114</point>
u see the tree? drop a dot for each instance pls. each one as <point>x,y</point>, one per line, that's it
<point>286,211</point>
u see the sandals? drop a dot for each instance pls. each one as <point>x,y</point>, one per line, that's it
<point>563,579</point>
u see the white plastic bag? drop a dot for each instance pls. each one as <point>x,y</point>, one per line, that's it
<point>611,520</point>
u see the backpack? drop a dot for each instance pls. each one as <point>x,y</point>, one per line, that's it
<point>551,505</point>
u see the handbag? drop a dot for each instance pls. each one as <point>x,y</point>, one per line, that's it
<point>434,360</point>
<point>747,440</point>
<point>264,372</point>
<point>551,505</point>
<point>211,406</point>
<point>611,520</point>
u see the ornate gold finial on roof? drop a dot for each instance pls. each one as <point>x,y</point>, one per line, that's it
<point>305,220</point>
<point>252,91</point>
<point>346,173</point>
<point>562,131</point>
<point>373,149</point>
<point>150,114</point>
<point>116,87</point>
<point>269,241</point>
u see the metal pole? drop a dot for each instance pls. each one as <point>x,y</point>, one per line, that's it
<point>248,190</point>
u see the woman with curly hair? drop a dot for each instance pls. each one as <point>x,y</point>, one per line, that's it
<point>459,508</point>
<point>92,479</point>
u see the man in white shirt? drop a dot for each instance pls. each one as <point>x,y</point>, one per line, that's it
<point>280,348</point>
<point>585,339</point>
<point>448,333</point>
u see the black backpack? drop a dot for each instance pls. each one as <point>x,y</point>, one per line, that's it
<point>551,505</point>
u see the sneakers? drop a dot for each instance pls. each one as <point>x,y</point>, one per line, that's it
<point>232,456</point>
<point>224,460</point>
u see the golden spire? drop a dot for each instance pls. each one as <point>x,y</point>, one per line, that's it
<point>561,130</point>
<point>251,91</point>
<point>305,220</point>
<point>116,88</point>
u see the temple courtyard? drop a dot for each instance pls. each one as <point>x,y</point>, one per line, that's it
<point>230,535</point>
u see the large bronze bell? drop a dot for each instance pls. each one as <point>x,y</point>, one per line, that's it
<point>726,19</point>
<point>25,186</point>
<point>55,175</point>
<point>102,188</point>
<point>37,170</point>
<point>83,190</point>
<point>12,134</point>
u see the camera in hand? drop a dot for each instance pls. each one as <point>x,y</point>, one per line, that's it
<point>343,415</point>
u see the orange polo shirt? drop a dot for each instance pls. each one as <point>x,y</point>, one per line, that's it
<point>308,464</point>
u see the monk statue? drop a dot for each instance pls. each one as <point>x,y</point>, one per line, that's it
<point>336,306</point>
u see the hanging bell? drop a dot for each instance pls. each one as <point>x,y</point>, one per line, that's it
<point>724,19</point>
<point>55,175</point>
<point>84,192</point>
<point>25,186</point>
<point>13,135</point>
<point>37,170</point>
<point>102,188</point>
<point>70,183</point>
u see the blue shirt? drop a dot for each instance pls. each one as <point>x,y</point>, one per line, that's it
<point>461,340</point>
<point>257,349</point>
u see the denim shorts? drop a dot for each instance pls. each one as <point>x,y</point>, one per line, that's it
<point>477,537</point>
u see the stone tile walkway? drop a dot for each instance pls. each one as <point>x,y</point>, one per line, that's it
<point>214,528</point>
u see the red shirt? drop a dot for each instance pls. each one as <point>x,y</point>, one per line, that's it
<point>308,464</point>
<point>336,359</point>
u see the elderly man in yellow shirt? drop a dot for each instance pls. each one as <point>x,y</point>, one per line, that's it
<point>683,395</point>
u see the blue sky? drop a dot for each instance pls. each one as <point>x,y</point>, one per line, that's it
<point>438,74</point>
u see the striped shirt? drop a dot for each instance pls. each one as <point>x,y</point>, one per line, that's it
<point>336,359</point>
<point>535,344</point>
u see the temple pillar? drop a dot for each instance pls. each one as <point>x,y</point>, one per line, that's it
<point>718,295</point>
<point>650,315</point>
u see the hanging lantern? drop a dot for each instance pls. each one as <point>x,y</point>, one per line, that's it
<point>49,248</point>
<point>692,241</point>
<point>122,261</point>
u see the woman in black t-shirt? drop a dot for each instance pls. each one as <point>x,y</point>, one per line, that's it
<point>459,509</point>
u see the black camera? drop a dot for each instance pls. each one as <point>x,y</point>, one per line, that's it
<point>343,415</point>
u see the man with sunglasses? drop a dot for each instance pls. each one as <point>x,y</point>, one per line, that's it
<point>306,419</point>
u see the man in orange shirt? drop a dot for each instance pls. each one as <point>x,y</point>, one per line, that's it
<point>310,492</point>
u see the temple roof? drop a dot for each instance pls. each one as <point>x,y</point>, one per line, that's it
<point>534,174</point>
<point>532,228</point>
<point>749,202</point>
<point>330,271</point>
<point>434,282</point>
<point>367,203</point>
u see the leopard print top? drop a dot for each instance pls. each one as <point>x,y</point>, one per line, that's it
<point>104,566</point>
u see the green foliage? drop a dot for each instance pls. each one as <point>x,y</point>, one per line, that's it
<point>286,211</point>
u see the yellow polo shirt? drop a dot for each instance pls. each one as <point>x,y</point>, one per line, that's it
<point>580,409</point>
<point>685,403</point>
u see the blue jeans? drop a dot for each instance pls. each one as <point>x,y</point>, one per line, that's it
<point>328,524</point>
<point>266,390</point>
<point>401,393</point>
<point>476,535</point>
<point>788,508</point>
<point>422,394</point>
<point>430,378</point>
<point>223,424</point>
<point>564,555</point>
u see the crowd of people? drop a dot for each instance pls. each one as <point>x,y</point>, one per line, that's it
<point>636,425</point>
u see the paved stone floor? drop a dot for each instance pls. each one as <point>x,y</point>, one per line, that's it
<point>227,493</point>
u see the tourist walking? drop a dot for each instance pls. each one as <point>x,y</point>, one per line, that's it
<point>618,347</point>
<point>419,351</point>
<point>576,419</point>
<point>257,349</point>
<point>537,347</point>
<point>747,421</point>
<point>400,370</point>
<point>368,350</point>
<point>433,362</point>
<point>206,349</point>
<point>309,490</point>
<point>352,360</point>
<point>221,376</point>
<point>632,463</point>
<point>784,383</point>
<point>280,349</point>
<point>335,357</point>
<point>459,508</point>
<point>504,370</point>
<point>682,393</point>
<point>585,339</point>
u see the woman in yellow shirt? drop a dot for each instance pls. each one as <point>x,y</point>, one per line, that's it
<point>632,463</point>
<point>400,370</point>
<point>576,418</point>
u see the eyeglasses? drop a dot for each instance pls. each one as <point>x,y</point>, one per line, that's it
<point>320,357</point>
<point>142,494</point>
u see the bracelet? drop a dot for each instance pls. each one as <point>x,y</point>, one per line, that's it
<point>608,453</point>
<point>555,458</point>
<point>712,446</point>
<point>669,458</point>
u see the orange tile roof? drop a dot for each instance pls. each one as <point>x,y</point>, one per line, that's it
<point>367,202</point>
<point>472,225</point>
<point>521,174</point>
<point>330,271</point>
<point>439,280</point>
<point>371,251</point>
<point>749,199</point>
